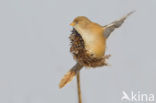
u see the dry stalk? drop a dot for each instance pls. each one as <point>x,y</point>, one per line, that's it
<point>79,88</point>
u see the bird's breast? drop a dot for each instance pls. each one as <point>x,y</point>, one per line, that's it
<point>94,43</point>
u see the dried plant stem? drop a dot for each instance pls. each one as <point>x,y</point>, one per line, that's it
<point>79,88</point>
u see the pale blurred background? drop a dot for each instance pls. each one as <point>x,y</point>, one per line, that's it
<point>34,50</point>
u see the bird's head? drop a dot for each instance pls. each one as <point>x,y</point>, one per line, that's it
<point>80,21</point>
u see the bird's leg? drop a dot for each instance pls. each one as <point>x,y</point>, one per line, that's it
<point>107,56</point>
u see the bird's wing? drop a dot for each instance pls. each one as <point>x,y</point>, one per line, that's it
<point>116,24</point>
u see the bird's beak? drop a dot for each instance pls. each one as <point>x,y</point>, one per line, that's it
<point>72,24</point>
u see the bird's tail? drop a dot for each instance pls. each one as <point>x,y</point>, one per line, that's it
<point>70,75</point>
<point>116,24</point>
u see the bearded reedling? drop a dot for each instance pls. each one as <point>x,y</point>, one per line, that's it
<point>88,44</point>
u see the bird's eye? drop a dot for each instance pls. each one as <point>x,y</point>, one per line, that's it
<point>76,21</point>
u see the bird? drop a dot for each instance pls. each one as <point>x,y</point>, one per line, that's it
<point>88,44</point>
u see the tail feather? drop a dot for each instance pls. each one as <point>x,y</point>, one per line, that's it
<point>68,77</point>
<point>116,24</point>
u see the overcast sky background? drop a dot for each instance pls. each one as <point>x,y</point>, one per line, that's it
<point>34,50</point>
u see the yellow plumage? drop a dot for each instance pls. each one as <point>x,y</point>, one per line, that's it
<point>88,44</point>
